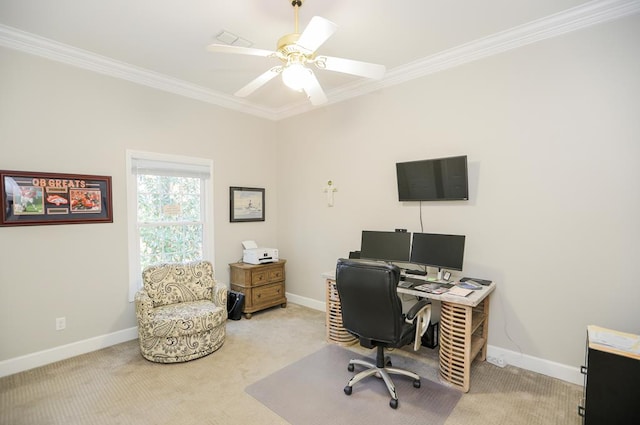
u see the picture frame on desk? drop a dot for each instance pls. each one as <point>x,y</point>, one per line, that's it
<point>246,204</point>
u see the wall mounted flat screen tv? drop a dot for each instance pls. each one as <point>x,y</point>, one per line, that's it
<point>442,179</point>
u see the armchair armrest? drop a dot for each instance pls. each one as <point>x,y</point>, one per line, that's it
<point>219,295</point>
<point>144,305</point>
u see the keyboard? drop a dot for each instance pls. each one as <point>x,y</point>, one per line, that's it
<point>414,280</point>
<point>433,288</point>
<point>410,282</point>
<point>483,282</point>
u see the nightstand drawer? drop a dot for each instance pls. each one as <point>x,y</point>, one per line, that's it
<point>268,293</point>
<point>275,275</point>
<point>259,277</point>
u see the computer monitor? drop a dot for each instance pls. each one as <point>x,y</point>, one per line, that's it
<point>436,250</point>
<point>385,246</point>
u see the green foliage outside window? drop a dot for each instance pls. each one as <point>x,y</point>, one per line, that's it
<point>169,219</point>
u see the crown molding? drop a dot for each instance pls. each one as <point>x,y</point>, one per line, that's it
<point>588,14</point>
<point>30,43</point>
<point>585,15</point>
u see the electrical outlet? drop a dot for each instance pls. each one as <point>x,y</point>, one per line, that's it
<point>497,361</point>
<point>61,323</point>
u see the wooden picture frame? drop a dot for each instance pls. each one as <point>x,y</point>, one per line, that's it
<point>35,198</point>
<point>246,204</point>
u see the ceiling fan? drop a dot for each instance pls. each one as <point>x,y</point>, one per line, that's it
<point>297,51</point>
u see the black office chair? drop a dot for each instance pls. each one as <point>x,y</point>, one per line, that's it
<point>372,311</point>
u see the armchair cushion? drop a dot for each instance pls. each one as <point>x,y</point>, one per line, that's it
<point>184,318</point>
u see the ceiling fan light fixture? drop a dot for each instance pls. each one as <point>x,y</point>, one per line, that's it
<point>296,76</point>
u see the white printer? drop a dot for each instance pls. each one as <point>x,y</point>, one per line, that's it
<point>251,254</point>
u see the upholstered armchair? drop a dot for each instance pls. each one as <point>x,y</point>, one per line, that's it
<point>181,312</point>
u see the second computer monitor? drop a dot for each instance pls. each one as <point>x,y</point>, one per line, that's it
<point>385,246</point>
<point>436,250</point>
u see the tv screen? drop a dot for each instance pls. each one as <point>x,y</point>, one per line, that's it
<point>436,250</point>
<point>442,179</point>
<point>385,246</point>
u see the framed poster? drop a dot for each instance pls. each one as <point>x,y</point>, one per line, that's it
<point>246,204</point>
<point>33,198</point>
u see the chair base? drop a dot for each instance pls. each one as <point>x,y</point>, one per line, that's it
<point>382,369</point>
<point>182,348</point>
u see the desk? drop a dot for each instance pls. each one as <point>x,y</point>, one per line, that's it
<point>464,329</point>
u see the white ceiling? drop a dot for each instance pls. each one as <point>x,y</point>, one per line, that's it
<point>165,40</point>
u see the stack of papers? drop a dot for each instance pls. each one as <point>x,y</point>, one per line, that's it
<point>626,342</point>
<point>461,292</point>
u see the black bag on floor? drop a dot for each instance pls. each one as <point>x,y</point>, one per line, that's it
<point>235,304</point>
<point>431,336</point>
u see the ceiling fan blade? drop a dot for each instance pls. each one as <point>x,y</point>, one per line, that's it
<point>315,92</point>
<point>315,34</point>
<point>348,66</point>
<point>259,82</point>
<point>224,48</point>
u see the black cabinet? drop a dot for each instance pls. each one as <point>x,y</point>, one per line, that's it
<point>612,381</point>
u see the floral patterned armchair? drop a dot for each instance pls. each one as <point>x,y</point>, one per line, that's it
<point>181,312</point>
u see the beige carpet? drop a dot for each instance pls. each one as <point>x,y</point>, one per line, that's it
<point>117,386</point>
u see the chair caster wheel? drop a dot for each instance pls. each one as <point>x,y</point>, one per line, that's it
<point>416,383</point>
<point>393,403</point>
<point>348,389</point>
<point>350,368</point>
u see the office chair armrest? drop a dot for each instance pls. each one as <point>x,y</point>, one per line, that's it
<point>417,309</point>
<point>421,313</point>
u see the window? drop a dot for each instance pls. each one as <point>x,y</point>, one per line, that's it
<point>170,211</point>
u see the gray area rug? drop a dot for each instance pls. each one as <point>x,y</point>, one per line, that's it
<point>310,392</point>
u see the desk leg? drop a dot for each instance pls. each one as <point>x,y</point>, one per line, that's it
<point>336,333</point>
<point>463,335</point>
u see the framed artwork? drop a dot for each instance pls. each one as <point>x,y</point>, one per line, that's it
<point>34,198</point>
<point>246,204</point>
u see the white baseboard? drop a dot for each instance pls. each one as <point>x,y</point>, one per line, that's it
<point>523,361</point>
<point>41,358</point>
<point>535,364</point>
<point>307,302</point>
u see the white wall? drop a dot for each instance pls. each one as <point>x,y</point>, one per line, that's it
<point>553,140</point>
<point>56,118</point>
<point>551,132</point>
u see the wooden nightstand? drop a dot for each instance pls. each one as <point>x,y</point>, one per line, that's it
<point>261,284</point>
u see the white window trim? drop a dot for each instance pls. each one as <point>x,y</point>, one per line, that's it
<point>135,278</point>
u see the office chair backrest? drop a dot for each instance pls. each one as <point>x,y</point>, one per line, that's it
<point>371,308</point>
